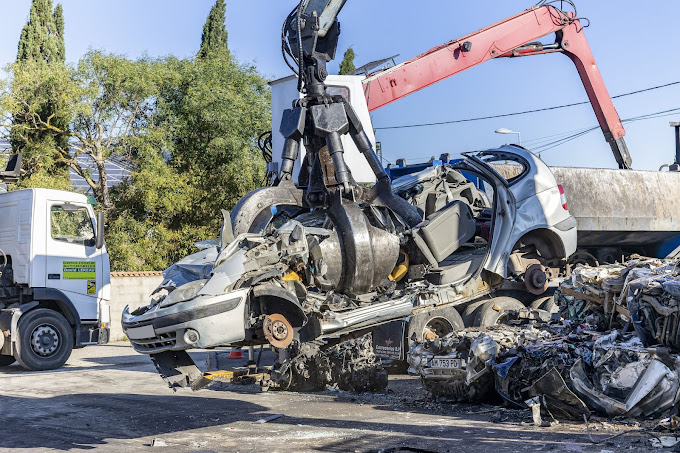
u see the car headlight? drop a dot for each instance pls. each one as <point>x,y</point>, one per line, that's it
<point>183,293</point>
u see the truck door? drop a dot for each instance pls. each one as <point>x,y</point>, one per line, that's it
<point>72,257</point>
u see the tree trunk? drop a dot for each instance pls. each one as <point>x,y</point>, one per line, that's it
<point>104,195</point>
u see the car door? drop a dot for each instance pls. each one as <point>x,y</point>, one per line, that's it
<point>72,257</point>
<point>503,215</point>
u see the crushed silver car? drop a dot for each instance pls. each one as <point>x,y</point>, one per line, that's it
<point>292,275</point>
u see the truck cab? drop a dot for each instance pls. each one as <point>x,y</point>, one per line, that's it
<point>54,277</point>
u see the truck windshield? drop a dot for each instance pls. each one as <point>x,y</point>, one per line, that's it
<point>72,225</point>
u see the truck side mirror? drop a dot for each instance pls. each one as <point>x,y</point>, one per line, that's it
<point>100,230</point>
<point>13,170</point>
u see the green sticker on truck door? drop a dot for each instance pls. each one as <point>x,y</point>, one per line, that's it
<point>79,270</point>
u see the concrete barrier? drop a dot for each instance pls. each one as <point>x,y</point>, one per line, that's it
<point>133,289</point>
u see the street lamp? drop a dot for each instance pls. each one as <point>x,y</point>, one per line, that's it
<point>508,131</point>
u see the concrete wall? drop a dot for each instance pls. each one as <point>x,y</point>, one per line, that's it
<point>133,289</point>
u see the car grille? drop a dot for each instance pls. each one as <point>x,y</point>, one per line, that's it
<point>161,342</point>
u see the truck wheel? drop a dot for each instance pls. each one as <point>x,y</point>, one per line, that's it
<point>45,340</point>
<point>470,312</point>
<point>6,360</point>
<point>493,312</point>
<point>435,324</point>
<point>546,303</point>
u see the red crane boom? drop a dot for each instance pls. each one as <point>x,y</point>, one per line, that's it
<point>513,37</point>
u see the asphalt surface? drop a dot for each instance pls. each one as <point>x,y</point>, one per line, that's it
<point>112,399</point>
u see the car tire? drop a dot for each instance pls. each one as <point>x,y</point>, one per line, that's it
<point>6,360</point>
<point>491,313</point>
<point>470,312</point>
<point>434,324</point>
<point>45,340</point>
<point>546,303</point>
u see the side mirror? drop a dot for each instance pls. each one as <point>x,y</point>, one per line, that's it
<point>100,230</point>
<point>13,170</point>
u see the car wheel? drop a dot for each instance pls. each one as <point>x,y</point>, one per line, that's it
<point>45,340</point>
<point>6,360</point>
<point>493,312</point>
<point>470,312</point>
<point>546,303</point>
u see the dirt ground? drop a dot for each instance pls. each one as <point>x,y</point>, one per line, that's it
<point>110,398</point>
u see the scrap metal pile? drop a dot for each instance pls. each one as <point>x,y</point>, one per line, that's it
<point>612,349</point>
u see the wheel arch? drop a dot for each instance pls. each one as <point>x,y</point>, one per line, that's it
<point>546,242</point>
<point>274,299</point>
<point>56,300</point>
<point>546,239</point>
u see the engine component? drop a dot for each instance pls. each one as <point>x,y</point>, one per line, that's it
<point>351,366</point>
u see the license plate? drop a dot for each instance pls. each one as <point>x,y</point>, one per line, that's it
<point>445,362</point>
<point>141,333</point>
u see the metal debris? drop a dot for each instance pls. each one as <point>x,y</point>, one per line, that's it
<point>589,360</point>
<point>158,443</point>
<point>350,365</point>
<point>268,419</point>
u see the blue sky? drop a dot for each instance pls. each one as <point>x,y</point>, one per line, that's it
<point>632,43</point>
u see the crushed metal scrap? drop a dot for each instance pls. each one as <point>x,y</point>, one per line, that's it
<point>612,351</point>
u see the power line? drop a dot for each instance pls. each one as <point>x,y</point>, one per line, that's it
<point>580,133</point>
<point>504,115</point>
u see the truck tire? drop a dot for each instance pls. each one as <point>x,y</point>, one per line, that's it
<point>435,323</point>
<point>546,303</point>
<point>491,313</point>
<point>470,312</point>
<point>6,360</point>
<point>45,340</point>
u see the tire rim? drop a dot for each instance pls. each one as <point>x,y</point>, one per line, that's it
<point>437,328</point>
<point>45,340</point>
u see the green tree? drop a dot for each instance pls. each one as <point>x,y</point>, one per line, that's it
<point>108,101</point>
<point>214,38</point>
<point>59,23</point>
<point>42,38</point>
<point>217,114</point>
<point>198,155</point>
<point>38,71</point>
<point>347,64</point>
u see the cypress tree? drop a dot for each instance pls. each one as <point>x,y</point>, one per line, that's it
<point>214,38</point>
<point>347,64</point>
<point>59,24</point>
<point>42,38</point>
<point>41,49</point>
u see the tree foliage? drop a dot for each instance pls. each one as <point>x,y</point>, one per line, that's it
<point>347,63</point>
<point>38,71</point>
<point>105,103</point>
<point>187,128</point>
<point>42,38</point>
<point>214,38</point>
<point>199,156</point>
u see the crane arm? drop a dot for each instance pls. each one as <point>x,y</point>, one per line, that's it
<point>512,37</point>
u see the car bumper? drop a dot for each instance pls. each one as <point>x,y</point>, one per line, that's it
<point>204,322</point>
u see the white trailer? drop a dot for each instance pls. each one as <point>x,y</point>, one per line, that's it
<point>54,277</point>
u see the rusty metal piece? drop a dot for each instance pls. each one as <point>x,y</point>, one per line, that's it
<point>277,330</point>
<point>535,279</point>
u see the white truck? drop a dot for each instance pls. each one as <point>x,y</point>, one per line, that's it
<point>54,275</point>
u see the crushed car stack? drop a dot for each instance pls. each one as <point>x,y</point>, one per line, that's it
<point>612,349</point>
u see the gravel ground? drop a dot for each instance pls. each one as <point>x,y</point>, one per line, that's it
<point>110,398</point>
